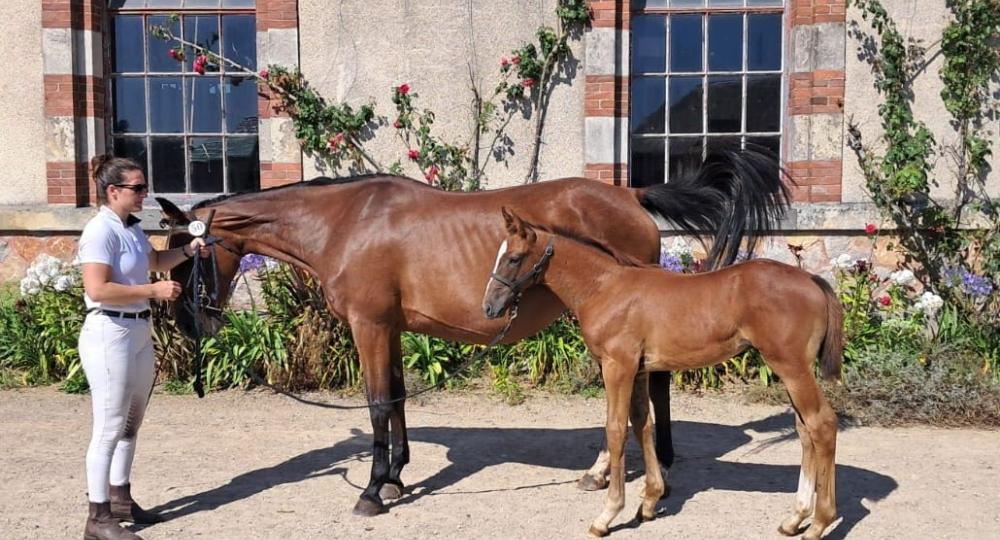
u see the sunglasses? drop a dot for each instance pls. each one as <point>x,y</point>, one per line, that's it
<point>138,188</point>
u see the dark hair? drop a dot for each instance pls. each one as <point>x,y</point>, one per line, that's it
<point>110,170</point>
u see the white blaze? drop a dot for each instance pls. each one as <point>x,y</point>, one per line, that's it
<point>496,264</point>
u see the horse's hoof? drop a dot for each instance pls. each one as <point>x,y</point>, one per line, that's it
<point>368,508</point>
<point>597,533</point>
<point>590,483</point>
<point>641,518</point>
<point>390,492</point>
<point>666,491</point>
<point>789,531</point>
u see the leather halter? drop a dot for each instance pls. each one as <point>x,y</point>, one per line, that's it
<point>518,285</point>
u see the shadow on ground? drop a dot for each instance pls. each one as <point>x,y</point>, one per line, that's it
<point>470,450</point>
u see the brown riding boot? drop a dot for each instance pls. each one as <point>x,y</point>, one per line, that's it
<point>125,509</point>
<point>101,525</point>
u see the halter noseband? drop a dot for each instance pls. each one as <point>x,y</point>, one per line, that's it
<point>518,285</point>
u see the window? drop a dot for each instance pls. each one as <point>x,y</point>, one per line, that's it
<point>194,134</point>
<point>704,75</point>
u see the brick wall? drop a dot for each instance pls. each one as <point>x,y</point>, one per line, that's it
<point>606,92</point>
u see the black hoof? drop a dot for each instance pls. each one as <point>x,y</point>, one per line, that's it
<point>589,483</point>
<point>640,518</point>
<point>666,492</point>
<point>390,492</point>
<point>368,508</point>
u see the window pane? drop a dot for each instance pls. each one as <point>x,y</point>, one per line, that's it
<point>770,145</point>
<point>206,164</point>
<point>237,3</point>
<point>118,4</point>
<point>685,43</point>
<point>685,155</point>
<point>764,42</point>
<point>159,55</point>
<point>204,107</point>
<point>164,3</point>
<point>725,42</point>
<point>126,42</point>
<point>725,3</point>
<point>685,104</point>
<point>716,144</point>
<point>129,104</point>
<point>725,96</point>
<point>241,105</point>
<point>131,147</point>
<point>763,103</point>
<point>166,105</point>
<point>642,4</point>
<point>687,3</point>
<point>244,164</point>
<point>647,105</point>
<point>201,3</point>
<point>649,47</point>
<point>764,2</point>
<point>168,164</point>
<point>203,30</point>
<point>239,36</point>
<point>647,162</point>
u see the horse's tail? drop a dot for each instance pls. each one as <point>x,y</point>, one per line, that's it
<point>831,352</point>
<point>737,194</point>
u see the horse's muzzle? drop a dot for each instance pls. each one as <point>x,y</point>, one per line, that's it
<point>493,311</point>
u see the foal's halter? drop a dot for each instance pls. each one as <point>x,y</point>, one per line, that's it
<point>518,285</point>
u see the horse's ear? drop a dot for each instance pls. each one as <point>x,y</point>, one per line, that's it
<point>172,212</point>
<point>512,222</point>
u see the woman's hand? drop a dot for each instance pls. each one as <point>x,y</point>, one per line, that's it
<point>166,290</point>
<point>197,245</point>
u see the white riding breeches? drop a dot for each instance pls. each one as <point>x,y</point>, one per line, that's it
<point>117,356</point>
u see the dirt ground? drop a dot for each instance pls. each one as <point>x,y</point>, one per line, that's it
<point>253,465</point>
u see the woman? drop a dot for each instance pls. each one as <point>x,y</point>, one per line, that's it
<point>116,347</point>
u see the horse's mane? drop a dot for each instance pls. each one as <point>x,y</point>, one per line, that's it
<point>315,182</point>
<point>621,258</point>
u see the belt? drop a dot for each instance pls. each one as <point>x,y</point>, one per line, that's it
<point>122,314</point>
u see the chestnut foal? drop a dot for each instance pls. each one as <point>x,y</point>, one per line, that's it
<point>789,315</point>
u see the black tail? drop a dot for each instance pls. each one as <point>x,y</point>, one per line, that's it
<point>736,195</point>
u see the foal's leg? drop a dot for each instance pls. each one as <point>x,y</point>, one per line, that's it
<point>373,343</point>
<point>806,492</point>
<point>642,426</point>
<point>618,381</point>
<point>820,422</point>
<point>393,488</point>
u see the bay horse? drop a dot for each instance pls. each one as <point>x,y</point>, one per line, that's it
<point>637,320</point>
<point>393,254</point>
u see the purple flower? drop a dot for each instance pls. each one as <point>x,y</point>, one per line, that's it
<point>252,261</point>
<point>671,263</point>
<point>972,284</point>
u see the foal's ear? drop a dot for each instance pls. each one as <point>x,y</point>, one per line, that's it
<point>172,213</point>
<point>513,223</point>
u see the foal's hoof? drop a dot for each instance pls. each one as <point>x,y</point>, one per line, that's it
<point>390,492</point>
<point>788,531</point>
<point>591,483</point>
<point>368,508</point>
<point>597,533</point>
<point>641,518</point>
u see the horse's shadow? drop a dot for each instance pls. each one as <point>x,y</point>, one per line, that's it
<point>698,467</point>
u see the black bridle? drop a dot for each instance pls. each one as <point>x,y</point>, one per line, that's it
<point>519,284</point>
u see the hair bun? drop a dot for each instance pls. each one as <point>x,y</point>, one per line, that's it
<point>99,161</point>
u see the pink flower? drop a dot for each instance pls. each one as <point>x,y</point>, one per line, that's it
<point>504,62</point>
<point>528,83</point>
<point>403,89</point>
<point>397,124</point>
<point>176,54</point>
<point>870,228</point>
<point>885,300</point>
<point>414,154</point>
<point>199,64</point>
<point>431,174</point>
<point>336,141</point>
<point>516,60</point>
<point>264,74</point>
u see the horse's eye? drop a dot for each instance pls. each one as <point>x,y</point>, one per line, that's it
<point>513,261</point>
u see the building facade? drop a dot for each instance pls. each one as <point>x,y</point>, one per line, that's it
<point>651,86</point>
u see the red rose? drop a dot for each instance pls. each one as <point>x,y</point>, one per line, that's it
<point>870,228</point>
<point>431,174</point>
<point>516,60</point>
<point>504,62</point>
<point>336,141</point>
<point>264,74</point>
<point>403,89</point>
<point>414,154</point>
<point>528,83</point>
<point>199,64</point>
<point>397,124</point>
<point>885,300</point>
<point>175,55</point>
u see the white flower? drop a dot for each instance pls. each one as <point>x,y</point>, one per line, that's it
<point>30,285</point>
<point>843,261</point>
<point>902,277</point>
<point>270,263</point>
<point>64,283</point>
<point>929,303</point>
<point>679,249</point>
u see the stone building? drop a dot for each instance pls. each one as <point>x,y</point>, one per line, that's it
<point>652,84</point>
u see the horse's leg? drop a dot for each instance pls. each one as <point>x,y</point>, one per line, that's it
<point>373,343</point>
<point>596,478</point>
<point>618,380</point>
<point>659,394</point>
<point>642,426</point>
<point>393,488</point>
<point>820,423</point>
<point>805,494</point>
